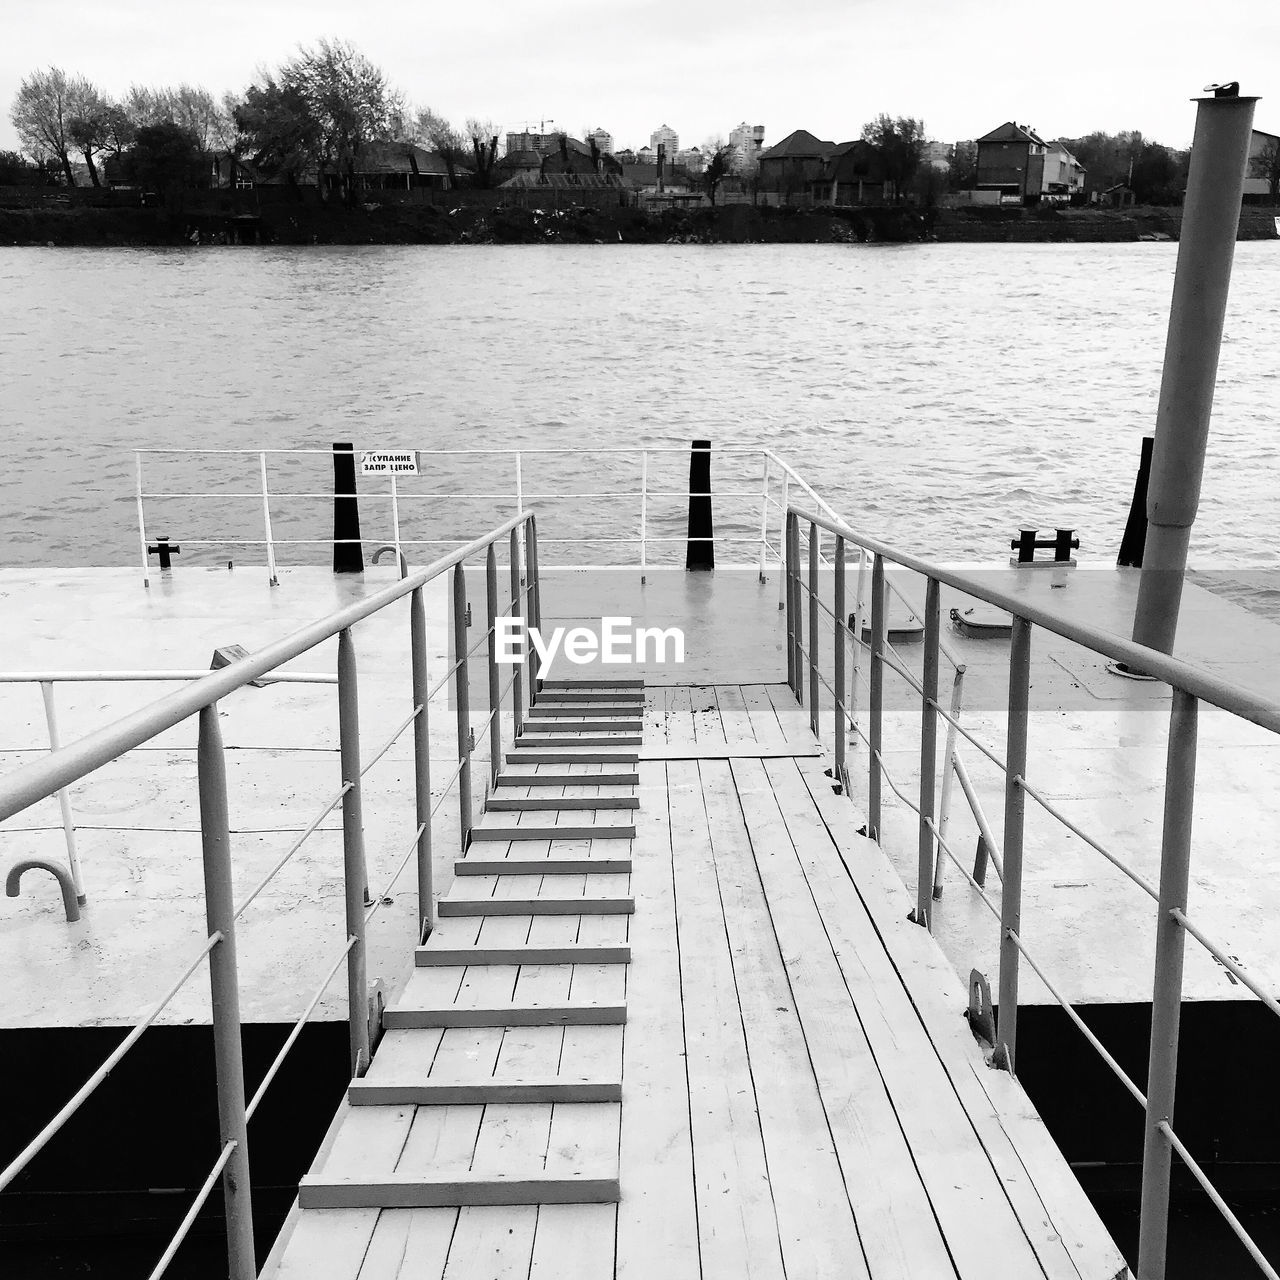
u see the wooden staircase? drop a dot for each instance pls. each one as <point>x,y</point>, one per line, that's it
<point>498,1080</point>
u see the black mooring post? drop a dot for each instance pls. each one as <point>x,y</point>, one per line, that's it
<point>701,550</point>
<point>348,554</point>
<point>1134,541</point>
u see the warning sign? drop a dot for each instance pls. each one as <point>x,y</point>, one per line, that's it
<point>389,464</point>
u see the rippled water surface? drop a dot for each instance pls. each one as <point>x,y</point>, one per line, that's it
<point>940,395</point>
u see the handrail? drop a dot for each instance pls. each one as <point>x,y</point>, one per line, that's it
<point>1190,686</point>
<point>32,782</point>
<point>1175,672</point>
<point>200,696</point>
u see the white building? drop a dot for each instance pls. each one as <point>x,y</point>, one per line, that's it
<point>692,159</point>
<point>666,137</point>
<point>604,140</point>
<point>938,154</point>
<point>747,141</point>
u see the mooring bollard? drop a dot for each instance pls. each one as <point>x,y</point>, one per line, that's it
<point>701,552</point>
<point>348,554</point>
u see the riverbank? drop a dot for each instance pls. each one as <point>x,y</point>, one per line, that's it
<point>374,222</point>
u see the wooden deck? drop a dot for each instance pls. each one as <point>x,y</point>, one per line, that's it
<point>674,1023</point>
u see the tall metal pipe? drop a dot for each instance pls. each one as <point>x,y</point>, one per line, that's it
<point>1211,217</point>
<point>422,761</point>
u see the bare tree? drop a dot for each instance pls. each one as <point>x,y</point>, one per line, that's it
<point>483,137</point>
<point>1266,165</point>
<point>41,113</point>
<point>449,143</point>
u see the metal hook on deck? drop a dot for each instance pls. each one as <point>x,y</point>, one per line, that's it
<point>70,904</point>
<point>404,564</point>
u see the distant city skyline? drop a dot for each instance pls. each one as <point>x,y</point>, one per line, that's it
<point>828,66</point>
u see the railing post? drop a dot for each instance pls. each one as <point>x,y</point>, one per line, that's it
<point>422,762</point>
<point>841,642</point>
<point>142,524</point>
<point>875,730</point>
<point>764,516</point>
<point>1015,801</point>
<point>788,572</point>
<point>495,684</point>
<point>355,877</point>
<point>644,511</point>
<point>462,701</point>
<point>783,578</point>
<point>928,753</point>
<point>859,612</point>
<point>535,594</point>
<point>1166,999</point>
<point>266,522</point>
<point>813,628</point>
<point>64,796</point>
<point>395,523</point>
<point>219,905</point>
<point>517,611</point>
<point>519,485</point>
<point>948,780</point>
<point>797,613</point>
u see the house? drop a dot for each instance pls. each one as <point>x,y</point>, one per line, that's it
<point>1022,167</point>
<point>389,166</point>
<point>1264,166</point>
<point>853,174</point>
<point>792,165</point>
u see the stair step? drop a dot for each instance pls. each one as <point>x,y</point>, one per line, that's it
<point>473,866</point>
<point>593,684</point>
<point>611,906</point>
<point>543,740</point>
<point>557,724</point>
<point>562,1014</point>
<point>396,1191</point>
<point>558,710</point>
<point>605,694</point>
<point>567,953</point>
<point>574,755</point>
<point>552,831</point>
<point>367,1093</point>
<point>548,779</point>
<point>541,804</point>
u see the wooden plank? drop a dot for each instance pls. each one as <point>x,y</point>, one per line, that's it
<point>502,1015</point>
<point>402,1191</point>
<point>983,1232</point>
<point>573,755</point>
<point>620,683</point>
<point>814,1215</point>
<point>547,725</point>
<point>613,905</point>
<point>764,719</point>
<point>574,1242</point>
<point>520,774</point>
<point>561,696</point>
<point>895,1222</point>
<point>734,718</point>
<point>738,751</point>
<point>554,831</point>
<point>332,1243</point>
<point>476,866</point>
<point>737,1227</point>
<point>655,1143</point>
<point>538,803</point>
<point>793,717</point>
<point>708,728</point>
<point>367,1143</point>
<point>563,738</point>
<point>408,1244</point>
<point>680,732</point>
<point>495,1244</point>
<point>570,954</point>
<point>1047,1195</point>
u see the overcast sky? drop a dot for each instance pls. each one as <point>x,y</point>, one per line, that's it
<point>702,66</point>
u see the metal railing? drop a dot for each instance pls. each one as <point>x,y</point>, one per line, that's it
<point>200,698</point>
<point>1190,687</point>
<point>647,509</point>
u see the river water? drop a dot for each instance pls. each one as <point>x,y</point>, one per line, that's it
<point>937,395</point>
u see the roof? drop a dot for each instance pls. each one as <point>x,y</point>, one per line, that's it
<point>1010,132</point>
<point>561,181</point>
<point>798,144</point>
<point>400,157</point>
